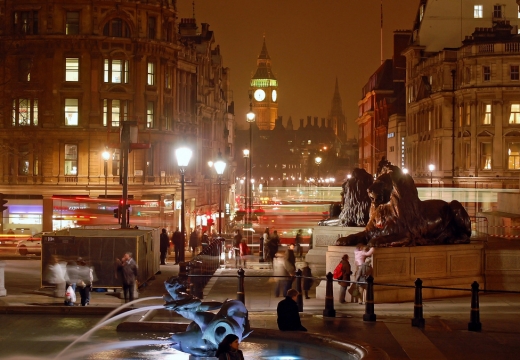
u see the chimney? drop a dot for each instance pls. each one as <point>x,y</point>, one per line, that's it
<point>316,121</point>
<point>323,123</point>
<point>301,124</point>
<point>309,119</point>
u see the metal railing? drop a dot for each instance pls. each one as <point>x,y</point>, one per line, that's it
<point>369,314</point>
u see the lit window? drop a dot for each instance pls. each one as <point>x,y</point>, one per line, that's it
<point>151,74</point>
<point>115,110</point>
<point>468,115</point>
<point>25,112</point>
<point>477,11</point>
<point>486,73</point>
<point>115,162</point>
<point>514,118</point>
<point>71,112</point>
<point>485,156</point>
<point>23,159</point>
<point>487,114</point>
<point>149,114</point>
<point>71,160</point>
<point>72,23</point>
<point>513,156</point>
<point>115,71</point>
<point>515,72</point>
<point>168,78</point>
<point>71,69</point>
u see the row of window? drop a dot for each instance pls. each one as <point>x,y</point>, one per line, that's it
<point>70,165</point>
<point>25,112</point>
<point>478,11</point>
<point>26,23</point>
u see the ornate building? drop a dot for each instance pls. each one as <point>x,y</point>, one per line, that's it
<point>264,92</point>
<point>462,107</point>
<point>71,73</point>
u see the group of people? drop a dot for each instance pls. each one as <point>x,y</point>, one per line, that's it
<point>357,290</point>
<point>177,241</point>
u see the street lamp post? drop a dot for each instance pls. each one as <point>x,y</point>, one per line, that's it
<point>106,156</point>
<point>220,166</point>
<point>318,160</point>
<point>246,156</point>
<point>183,156</point>
<point>250,118</point>
<point>431,167</point>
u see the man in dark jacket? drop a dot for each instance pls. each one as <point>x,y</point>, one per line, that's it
<point>288,316</point>
<point>163,246</point>
<point>127,269</point>
<point>178,245</point>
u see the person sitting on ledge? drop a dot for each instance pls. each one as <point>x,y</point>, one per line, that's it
<point>288,316</point>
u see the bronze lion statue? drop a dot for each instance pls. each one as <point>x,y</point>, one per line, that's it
<point>399,218</point>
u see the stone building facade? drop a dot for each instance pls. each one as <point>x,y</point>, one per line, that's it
<point>462,102</point>
<point>70,74</point>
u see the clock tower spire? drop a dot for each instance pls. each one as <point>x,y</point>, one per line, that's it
<point>264,88</point>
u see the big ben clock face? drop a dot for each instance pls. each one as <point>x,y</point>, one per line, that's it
<point>274,95</point>
<point>259,95</point>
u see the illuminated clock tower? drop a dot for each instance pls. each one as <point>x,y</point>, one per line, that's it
<point>264,88</point>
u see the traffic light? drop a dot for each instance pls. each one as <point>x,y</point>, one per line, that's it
<point>2,203</point>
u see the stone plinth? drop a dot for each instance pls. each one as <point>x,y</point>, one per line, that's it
<point>502,269</point>
<point>3,292</point>
<point>455,266</point>
<point>322,238</point>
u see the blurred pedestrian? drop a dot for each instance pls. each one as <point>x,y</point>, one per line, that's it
<point>127,270</point>
<point>194,242</point>
<point>298,244</point>
<point>307,279</point>
<point>164,243</point>
<point>237,240</point>
<point>244,252</point>
<point>364,272</point>
<point>288,315</point>
<point>228,349</point>
<point>86,278</point>
<point>289,262</point>
<point>178,245</point>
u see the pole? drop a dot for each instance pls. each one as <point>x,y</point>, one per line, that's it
<point>106,177</point>
<point>125,150</point>
<point>418,319</point>
<point>245,195</point>
<point>220,206</point>
<point>183,227</point>
<point>474,324</point>
<point>251,174</point>
<point>453,126</point>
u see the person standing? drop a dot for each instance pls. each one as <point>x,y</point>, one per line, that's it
<point>127,269</point>
<point>287,310</point>
<point>289,263</point>
<point>345,276</point>
<point>307,279</point>
<point>237,240</point>
<point>298,244</point>
<point>163,246</point>
<point>228,349</point>
<point>364,272</point>
<point>178,245</point>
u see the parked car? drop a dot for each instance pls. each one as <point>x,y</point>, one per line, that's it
<point>32,245</point>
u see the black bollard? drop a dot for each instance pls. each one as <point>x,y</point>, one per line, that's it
<point>369,306</point>
<point>240,292</point>
<point>474,323</point>
<point>418,319</point>
<point>329,298</point>
<point>299,300</point>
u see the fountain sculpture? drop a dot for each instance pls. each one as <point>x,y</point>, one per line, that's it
<point>207,329</point>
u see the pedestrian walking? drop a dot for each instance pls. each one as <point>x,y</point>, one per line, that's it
<point>178,245</point>
<point>164,243</point>
<point>228,349</point>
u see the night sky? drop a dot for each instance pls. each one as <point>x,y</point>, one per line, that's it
<point>310,42</point>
